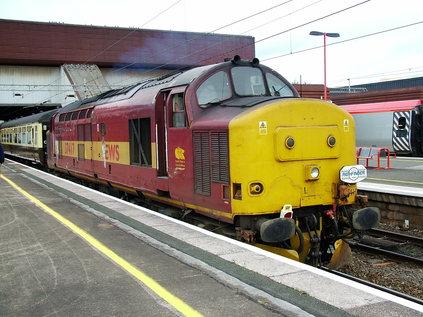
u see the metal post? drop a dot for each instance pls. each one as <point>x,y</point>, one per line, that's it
<point>325,97</point>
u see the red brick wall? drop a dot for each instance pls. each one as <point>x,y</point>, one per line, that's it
<point>35,43</point>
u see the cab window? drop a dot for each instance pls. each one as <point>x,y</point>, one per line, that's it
<point>248,81</point>
<point>214,89</point>
<point>178,111</point>
<point>278,87</point>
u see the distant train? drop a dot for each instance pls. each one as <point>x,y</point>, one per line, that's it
<point>396,125</point>
<point>232,141</point>
<point>26,137</point>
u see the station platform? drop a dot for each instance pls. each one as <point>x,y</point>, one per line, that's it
<point>405,175</point>
<point>68,250</point>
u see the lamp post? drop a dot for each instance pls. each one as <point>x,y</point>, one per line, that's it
<point>317,33</point>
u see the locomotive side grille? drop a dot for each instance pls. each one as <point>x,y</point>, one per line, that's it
<point>220,157</point>
<point>202,179</point>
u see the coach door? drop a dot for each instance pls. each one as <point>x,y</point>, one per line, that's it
<point>401,132</point>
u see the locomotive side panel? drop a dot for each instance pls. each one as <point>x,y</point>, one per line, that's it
<point>70,142</point>
<point>122,146</point>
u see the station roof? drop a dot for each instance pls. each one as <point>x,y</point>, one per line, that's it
<point>39,43</point>
<point>13,111</point>
<point>42,117</point>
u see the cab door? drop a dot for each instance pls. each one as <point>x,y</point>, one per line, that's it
<point>178,144</point>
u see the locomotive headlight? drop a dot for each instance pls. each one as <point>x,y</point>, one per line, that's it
<point>312,172</point>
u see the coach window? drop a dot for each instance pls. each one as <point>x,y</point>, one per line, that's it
<point>178,111</point>
<point>29,134</point>
<point>23,135</point>
<point>36,135</point>
<point>140,141</point>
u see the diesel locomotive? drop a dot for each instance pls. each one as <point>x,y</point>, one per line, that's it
<point>232,141</point>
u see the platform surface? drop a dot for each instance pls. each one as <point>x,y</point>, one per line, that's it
<point>67,250</point>
<point>405,172</point>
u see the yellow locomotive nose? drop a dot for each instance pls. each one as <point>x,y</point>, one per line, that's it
<point>306,142</point>
<point>302,143</point>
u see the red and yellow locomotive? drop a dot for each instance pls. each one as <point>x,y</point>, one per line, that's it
<point>232,141</point>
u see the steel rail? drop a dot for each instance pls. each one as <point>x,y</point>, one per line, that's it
<point>395,236</point>
<point>391,254</point>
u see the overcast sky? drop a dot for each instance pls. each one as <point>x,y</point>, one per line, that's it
<point>281,33</point>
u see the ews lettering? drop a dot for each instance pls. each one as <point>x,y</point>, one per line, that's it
<point>112,152</point>
<point>69,148</point>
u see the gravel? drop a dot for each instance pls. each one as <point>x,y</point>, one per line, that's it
<point>406,278</point>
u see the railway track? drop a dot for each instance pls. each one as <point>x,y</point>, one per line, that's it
<point>396,236</point>
<point>393,245</point>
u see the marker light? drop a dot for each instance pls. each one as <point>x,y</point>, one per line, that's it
<point>331,140</point>
<point>289,142</point>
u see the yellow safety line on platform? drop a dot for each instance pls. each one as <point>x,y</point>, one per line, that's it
<point>145,279</point>
<point>394,181</point>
